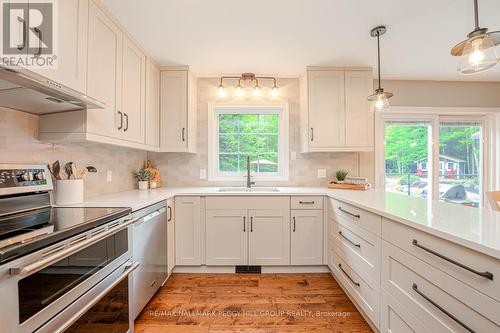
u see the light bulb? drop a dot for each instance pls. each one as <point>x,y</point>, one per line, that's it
<point>257,92</point>
<point>221,91</point>
<point>477,55</point>
<point>381,102</point>
<point>275,91</point>
<point>239,91</point>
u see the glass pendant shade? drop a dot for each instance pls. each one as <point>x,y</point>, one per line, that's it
<point>239,91</point>
<point>221,91</point>
<point>478,55</point>
<point>380,101</point>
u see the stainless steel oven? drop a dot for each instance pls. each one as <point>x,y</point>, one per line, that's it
<point>52,289</point>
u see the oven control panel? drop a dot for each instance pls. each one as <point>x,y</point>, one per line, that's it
<point>18,177</point>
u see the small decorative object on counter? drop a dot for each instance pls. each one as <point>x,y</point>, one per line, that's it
<point>143,177</point>
<point>341,174</point>
<point>155,175</point>
<point>349,183</point>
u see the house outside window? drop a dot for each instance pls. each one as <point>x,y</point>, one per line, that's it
<point>258,133</point>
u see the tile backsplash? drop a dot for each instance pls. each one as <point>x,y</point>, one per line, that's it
<point>19,144</point>
<point>184,169</point>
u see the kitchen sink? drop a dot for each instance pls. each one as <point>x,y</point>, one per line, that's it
<point>245,189</point>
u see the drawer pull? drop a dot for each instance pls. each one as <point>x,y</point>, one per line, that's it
<point>350,278</point>
<point>345,211</point>
<point>152,283</point>
<point>244,224</point>
<point>294,224</point>
<point>415,287</point>
<point>306,202</point>
<point>350,241</point>
<point>486,275</point>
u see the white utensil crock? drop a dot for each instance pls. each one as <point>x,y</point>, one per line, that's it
<point>69,191</point>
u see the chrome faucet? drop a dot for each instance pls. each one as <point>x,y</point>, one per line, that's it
<point>249,182</point>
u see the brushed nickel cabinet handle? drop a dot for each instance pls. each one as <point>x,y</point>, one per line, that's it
<point>312,134</point>
<point>486,275</point>
<point>39,51</point>
<point>126,122</point>
<point>349,213</point>
<point>183,134</point>
<point>121,120</point>
<point>348,276</point>
<point>440,308</point>
<point>350,241</point>
<point>294,224</point>
<point>23,44</point>
<point>169,214</point>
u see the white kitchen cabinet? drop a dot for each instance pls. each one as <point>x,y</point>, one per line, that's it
<point>71,52</point>
<point>226,237</point>
<point>152,104</point>
<point>170,235</point>
<point>269,237</point>
<point>394,318</point>
<point>133,92</point>
<point>306,237</point>
<point>177,111</point>
<point>335,114</point>
<point>187,231</point>
<point>104,76</point>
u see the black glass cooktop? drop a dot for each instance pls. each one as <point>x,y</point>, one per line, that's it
<point>27,232</point>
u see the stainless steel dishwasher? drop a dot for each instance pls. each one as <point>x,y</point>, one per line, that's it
<point>149,246</point>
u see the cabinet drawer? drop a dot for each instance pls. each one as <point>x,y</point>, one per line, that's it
<point>440,301</point>
<point>366,293</point>
<point>348,215</point>
<point>360,248</point>
<point>306,202</point>
<point>248,202</point>
<point>394,318</point>
<point>404,237</point>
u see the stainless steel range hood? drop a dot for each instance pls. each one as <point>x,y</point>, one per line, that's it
<point>24,90</point>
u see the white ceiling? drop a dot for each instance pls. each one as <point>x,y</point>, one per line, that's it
<point>282,37</point>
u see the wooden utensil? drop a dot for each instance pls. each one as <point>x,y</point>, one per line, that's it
<point>56,170</point>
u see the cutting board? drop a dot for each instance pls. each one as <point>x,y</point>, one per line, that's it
<point>355,187</point>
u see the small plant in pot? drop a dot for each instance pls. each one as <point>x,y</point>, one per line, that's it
<point>143,177</point>
<point>341,174</point>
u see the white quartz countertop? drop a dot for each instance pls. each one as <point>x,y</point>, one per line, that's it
<point>475,228</point>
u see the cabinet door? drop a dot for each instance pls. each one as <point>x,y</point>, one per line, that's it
<point>71,35</point>
<point>307,237</point>
<point>226,237</point>
<point>134,91</point>
<point>187,231</point>
<point>174,107</point>
<point>359,119</point>
<point>326,109</point>
<point>152,104</point>
<point>170,235</point>
<point>269,237</point>
<point>104,73</point>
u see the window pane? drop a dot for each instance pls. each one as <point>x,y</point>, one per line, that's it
<point>460,163</point>
<point>254,135</point>
<point>406,158</point>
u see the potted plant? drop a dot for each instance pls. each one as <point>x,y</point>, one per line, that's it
<point>143,176</point>
<point>341,174</point>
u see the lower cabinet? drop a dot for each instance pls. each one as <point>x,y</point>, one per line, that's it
<point>226,237</point>
<point>395,318</point>
<point>247,237</point>
<point>269,237</point>
<point>188,231</point>
<point>150,249</point>
<point>306,236</point>
<point>170,236</point>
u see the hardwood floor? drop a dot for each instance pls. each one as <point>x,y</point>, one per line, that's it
<point>250,303</point>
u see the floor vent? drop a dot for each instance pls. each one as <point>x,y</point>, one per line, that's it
<point>248,269</point>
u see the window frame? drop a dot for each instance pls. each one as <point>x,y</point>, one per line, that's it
<point>214,110</point>
<point>488,117</point>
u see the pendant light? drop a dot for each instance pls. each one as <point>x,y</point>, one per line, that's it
<point>477,52</point>
<point>380,98</point>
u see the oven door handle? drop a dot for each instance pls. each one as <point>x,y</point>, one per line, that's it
<point>41,264</point>
<point>129,268</point>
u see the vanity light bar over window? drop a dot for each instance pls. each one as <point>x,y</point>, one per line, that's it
<point>247,78</point>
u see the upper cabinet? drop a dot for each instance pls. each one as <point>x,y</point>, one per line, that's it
<point>116,73</point>
<point>178,111</point>
<point>71,35</point>
<point>152,104</point>
<point>133,92</point>
<point>335,114</point>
